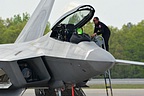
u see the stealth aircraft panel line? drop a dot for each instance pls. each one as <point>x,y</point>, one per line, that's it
<point>51,61</point>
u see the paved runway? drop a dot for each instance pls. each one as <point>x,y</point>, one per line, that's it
<point>117,81</point>
<point>101,92</point>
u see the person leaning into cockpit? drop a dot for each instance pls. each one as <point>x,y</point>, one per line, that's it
<point>101,28</point>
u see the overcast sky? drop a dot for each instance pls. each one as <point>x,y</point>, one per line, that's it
<point>111,12</point>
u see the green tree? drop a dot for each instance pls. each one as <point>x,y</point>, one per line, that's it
<point>2,29</point>
<point>89,28</point>
<point>127,43</point>
<point>11,27</point>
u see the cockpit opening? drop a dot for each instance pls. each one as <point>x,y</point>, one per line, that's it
<point>69,26</point>
<point>67,32</point>
<point>63,32</point>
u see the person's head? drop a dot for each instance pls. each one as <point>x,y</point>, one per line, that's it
<point>96,20</point>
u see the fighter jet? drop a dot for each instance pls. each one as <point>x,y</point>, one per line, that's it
<point>53,61</point>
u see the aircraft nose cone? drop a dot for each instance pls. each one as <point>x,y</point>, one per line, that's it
<point>100,54</point>
<point>100,60</point>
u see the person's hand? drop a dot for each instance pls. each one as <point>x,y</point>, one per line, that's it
<point>94,35</point>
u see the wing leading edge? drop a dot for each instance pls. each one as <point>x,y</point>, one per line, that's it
<point>37,23</point>
<point>126,62</point>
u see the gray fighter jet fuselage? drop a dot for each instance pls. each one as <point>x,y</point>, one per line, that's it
<point>52,61</point>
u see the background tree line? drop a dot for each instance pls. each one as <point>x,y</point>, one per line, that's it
<point>126,43</point>
<point>11,27</point>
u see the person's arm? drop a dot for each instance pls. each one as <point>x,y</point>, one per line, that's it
<point>93,34</point>
<point>101,29</point>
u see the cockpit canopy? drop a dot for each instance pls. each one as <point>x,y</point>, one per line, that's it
<point>67,24</point>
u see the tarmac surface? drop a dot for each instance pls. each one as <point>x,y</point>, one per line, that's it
<point>102,92</point>
<point>116,81</point>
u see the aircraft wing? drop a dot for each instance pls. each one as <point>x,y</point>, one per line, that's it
<point>126,62</point>
<point>37,23</point>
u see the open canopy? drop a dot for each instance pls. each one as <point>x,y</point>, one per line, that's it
<point>78,16</point>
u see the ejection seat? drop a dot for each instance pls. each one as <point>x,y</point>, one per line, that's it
<point>63,32</point>
<point>70,29</point>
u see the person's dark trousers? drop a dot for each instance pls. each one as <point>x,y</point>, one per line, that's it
<point>106,39</point>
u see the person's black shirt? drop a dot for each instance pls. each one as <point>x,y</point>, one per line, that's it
<point>101,28</point>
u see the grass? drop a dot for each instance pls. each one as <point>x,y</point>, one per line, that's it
<point>118,86</point>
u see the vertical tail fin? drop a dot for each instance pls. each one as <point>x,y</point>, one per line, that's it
<point>37,23</point>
